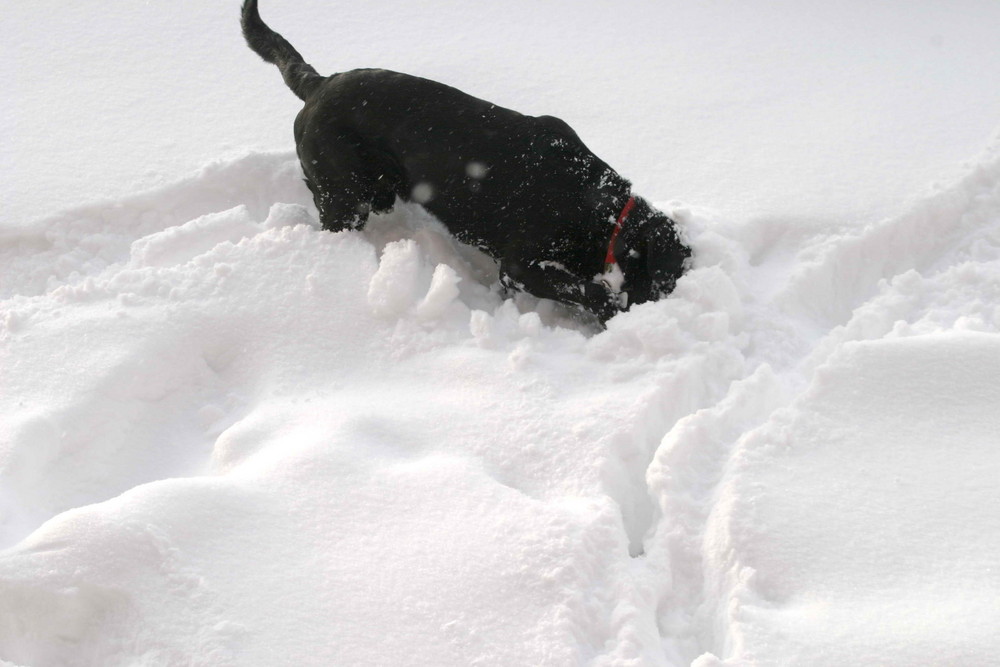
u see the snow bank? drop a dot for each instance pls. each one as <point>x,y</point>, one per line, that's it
<point>229,435</point>
<point>860,525</point>
<point>232,438</point>
<point>845,511</point>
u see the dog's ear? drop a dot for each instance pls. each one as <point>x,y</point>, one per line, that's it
<point>651,255</point>
<point>665,257</point>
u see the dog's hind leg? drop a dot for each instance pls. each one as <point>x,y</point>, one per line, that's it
<point>342,193</point>
<point>342,203</point>
<point>347,181</point>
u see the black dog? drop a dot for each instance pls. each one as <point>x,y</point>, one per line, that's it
<point>523,189</point>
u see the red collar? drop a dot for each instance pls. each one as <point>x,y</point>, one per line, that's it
<point>609,259</point>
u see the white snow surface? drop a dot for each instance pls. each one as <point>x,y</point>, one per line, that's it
<point>231,438</point>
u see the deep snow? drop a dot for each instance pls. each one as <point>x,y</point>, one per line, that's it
<point>231,438</point>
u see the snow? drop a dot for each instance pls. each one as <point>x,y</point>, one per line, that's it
<point>230,438</point>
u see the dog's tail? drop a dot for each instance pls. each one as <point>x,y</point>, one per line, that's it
<point>275,49</point>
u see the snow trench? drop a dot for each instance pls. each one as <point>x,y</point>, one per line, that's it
<point>229,437</point>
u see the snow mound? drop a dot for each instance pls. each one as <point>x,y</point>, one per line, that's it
<point>230,437</point>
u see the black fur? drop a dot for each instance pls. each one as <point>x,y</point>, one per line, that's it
<point>524,189</point>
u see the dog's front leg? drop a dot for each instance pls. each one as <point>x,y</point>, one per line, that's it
<point>550,280</point>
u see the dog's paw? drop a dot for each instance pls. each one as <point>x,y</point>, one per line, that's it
<point>600,300</point>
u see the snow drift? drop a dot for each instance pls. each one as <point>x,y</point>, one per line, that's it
<point>232,438</point>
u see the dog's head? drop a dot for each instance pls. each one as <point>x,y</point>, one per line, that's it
<point>650,253</point>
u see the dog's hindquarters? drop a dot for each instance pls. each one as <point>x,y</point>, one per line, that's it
<point>300,76</point>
